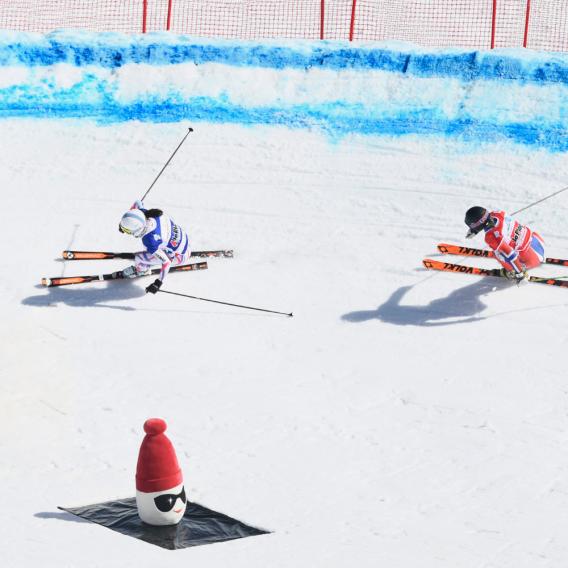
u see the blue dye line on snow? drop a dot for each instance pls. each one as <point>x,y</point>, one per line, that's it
<point>333,120</point>
<point>95,99</point>
<point>463,65</point>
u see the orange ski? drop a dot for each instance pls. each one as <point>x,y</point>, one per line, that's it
<point>66,280</point>
<point>99,255</point>
<point>449,267</point>
<point>94,255</point>
<point>464,251</point>
<point>469,251</point>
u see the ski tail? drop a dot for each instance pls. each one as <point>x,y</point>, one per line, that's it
<point>68,280</point>
<point>212,253</point>
<point>184,267</point>
<point>557,261</point>
<point>549,281</point>
<point>95,255</point>
<point>446,248</point>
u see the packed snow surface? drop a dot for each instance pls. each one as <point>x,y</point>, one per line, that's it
<point>400,418</point>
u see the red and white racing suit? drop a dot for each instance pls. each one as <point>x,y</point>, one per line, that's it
<point>516,246</point>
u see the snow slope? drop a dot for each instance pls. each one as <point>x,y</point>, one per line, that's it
<point>400,418</point>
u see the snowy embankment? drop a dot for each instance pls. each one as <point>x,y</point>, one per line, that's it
<point>400,418</point>
<point>391,89</point>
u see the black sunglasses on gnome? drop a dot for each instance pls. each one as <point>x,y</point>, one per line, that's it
<point>167,501</point>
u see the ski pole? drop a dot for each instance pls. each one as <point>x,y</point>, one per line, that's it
<point>541,200</point>
<point>166,164</point>
<point>225,303</point>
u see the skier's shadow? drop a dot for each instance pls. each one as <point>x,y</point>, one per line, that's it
<point>99,297</point>
<point>61,516</point>
<point>464,304</point>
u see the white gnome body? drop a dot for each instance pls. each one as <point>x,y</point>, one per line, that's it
<point>148,509</point>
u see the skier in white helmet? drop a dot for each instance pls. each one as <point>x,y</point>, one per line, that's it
<point>166,243</point>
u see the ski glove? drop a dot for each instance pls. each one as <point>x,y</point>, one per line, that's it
<point>154,287</point>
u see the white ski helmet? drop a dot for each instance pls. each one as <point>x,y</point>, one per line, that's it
<point>133,223</point>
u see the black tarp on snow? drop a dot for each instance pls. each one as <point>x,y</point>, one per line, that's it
<point>199,525</point>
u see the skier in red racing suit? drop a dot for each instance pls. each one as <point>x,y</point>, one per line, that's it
<point>516,246</point>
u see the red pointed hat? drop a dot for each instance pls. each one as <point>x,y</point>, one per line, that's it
<point>157,468</point>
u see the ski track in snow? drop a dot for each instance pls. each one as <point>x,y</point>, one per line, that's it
<point>400,418</point>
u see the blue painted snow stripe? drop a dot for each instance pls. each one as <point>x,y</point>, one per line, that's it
<point>52,52</point>
<point>109,53</point>
<point>328,118</point>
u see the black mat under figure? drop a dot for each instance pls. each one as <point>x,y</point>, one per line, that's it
<point>198,526</point>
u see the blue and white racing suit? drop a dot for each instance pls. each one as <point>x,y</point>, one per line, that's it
<point>166,244</point>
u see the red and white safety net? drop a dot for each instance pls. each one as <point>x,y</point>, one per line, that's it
<point>248,19</point>
<point>48,15</point>
<point>547,27</point>
<point>459,23</point>
<point>479,24</point>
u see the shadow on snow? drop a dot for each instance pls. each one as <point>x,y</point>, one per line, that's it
<point>90,297</point>
<point>464,303</point>
<point>61,516</point>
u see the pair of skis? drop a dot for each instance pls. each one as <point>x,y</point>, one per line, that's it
<point>445,248</point>
<point>119,275</point>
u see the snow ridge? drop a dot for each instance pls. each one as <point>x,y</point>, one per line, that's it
<point>389,89</point>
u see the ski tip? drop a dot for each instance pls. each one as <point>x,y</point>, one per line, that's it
<point>290,315</point>
<point>427,263</point>
<point>46,281</point>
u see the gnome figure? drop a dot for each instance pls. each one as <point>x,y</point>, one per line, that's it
<point>160,495</point>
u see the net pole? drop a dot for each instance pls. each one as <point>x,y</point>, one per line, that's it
<point>527,18</point>
<point>352,24</point>
<point>493,23</point>
<point>144,15</point>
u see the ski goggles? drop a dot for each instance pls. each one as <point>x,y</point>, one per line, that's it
<point>476,227</point>
<point>167,501</point>
<point>124,230</point>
